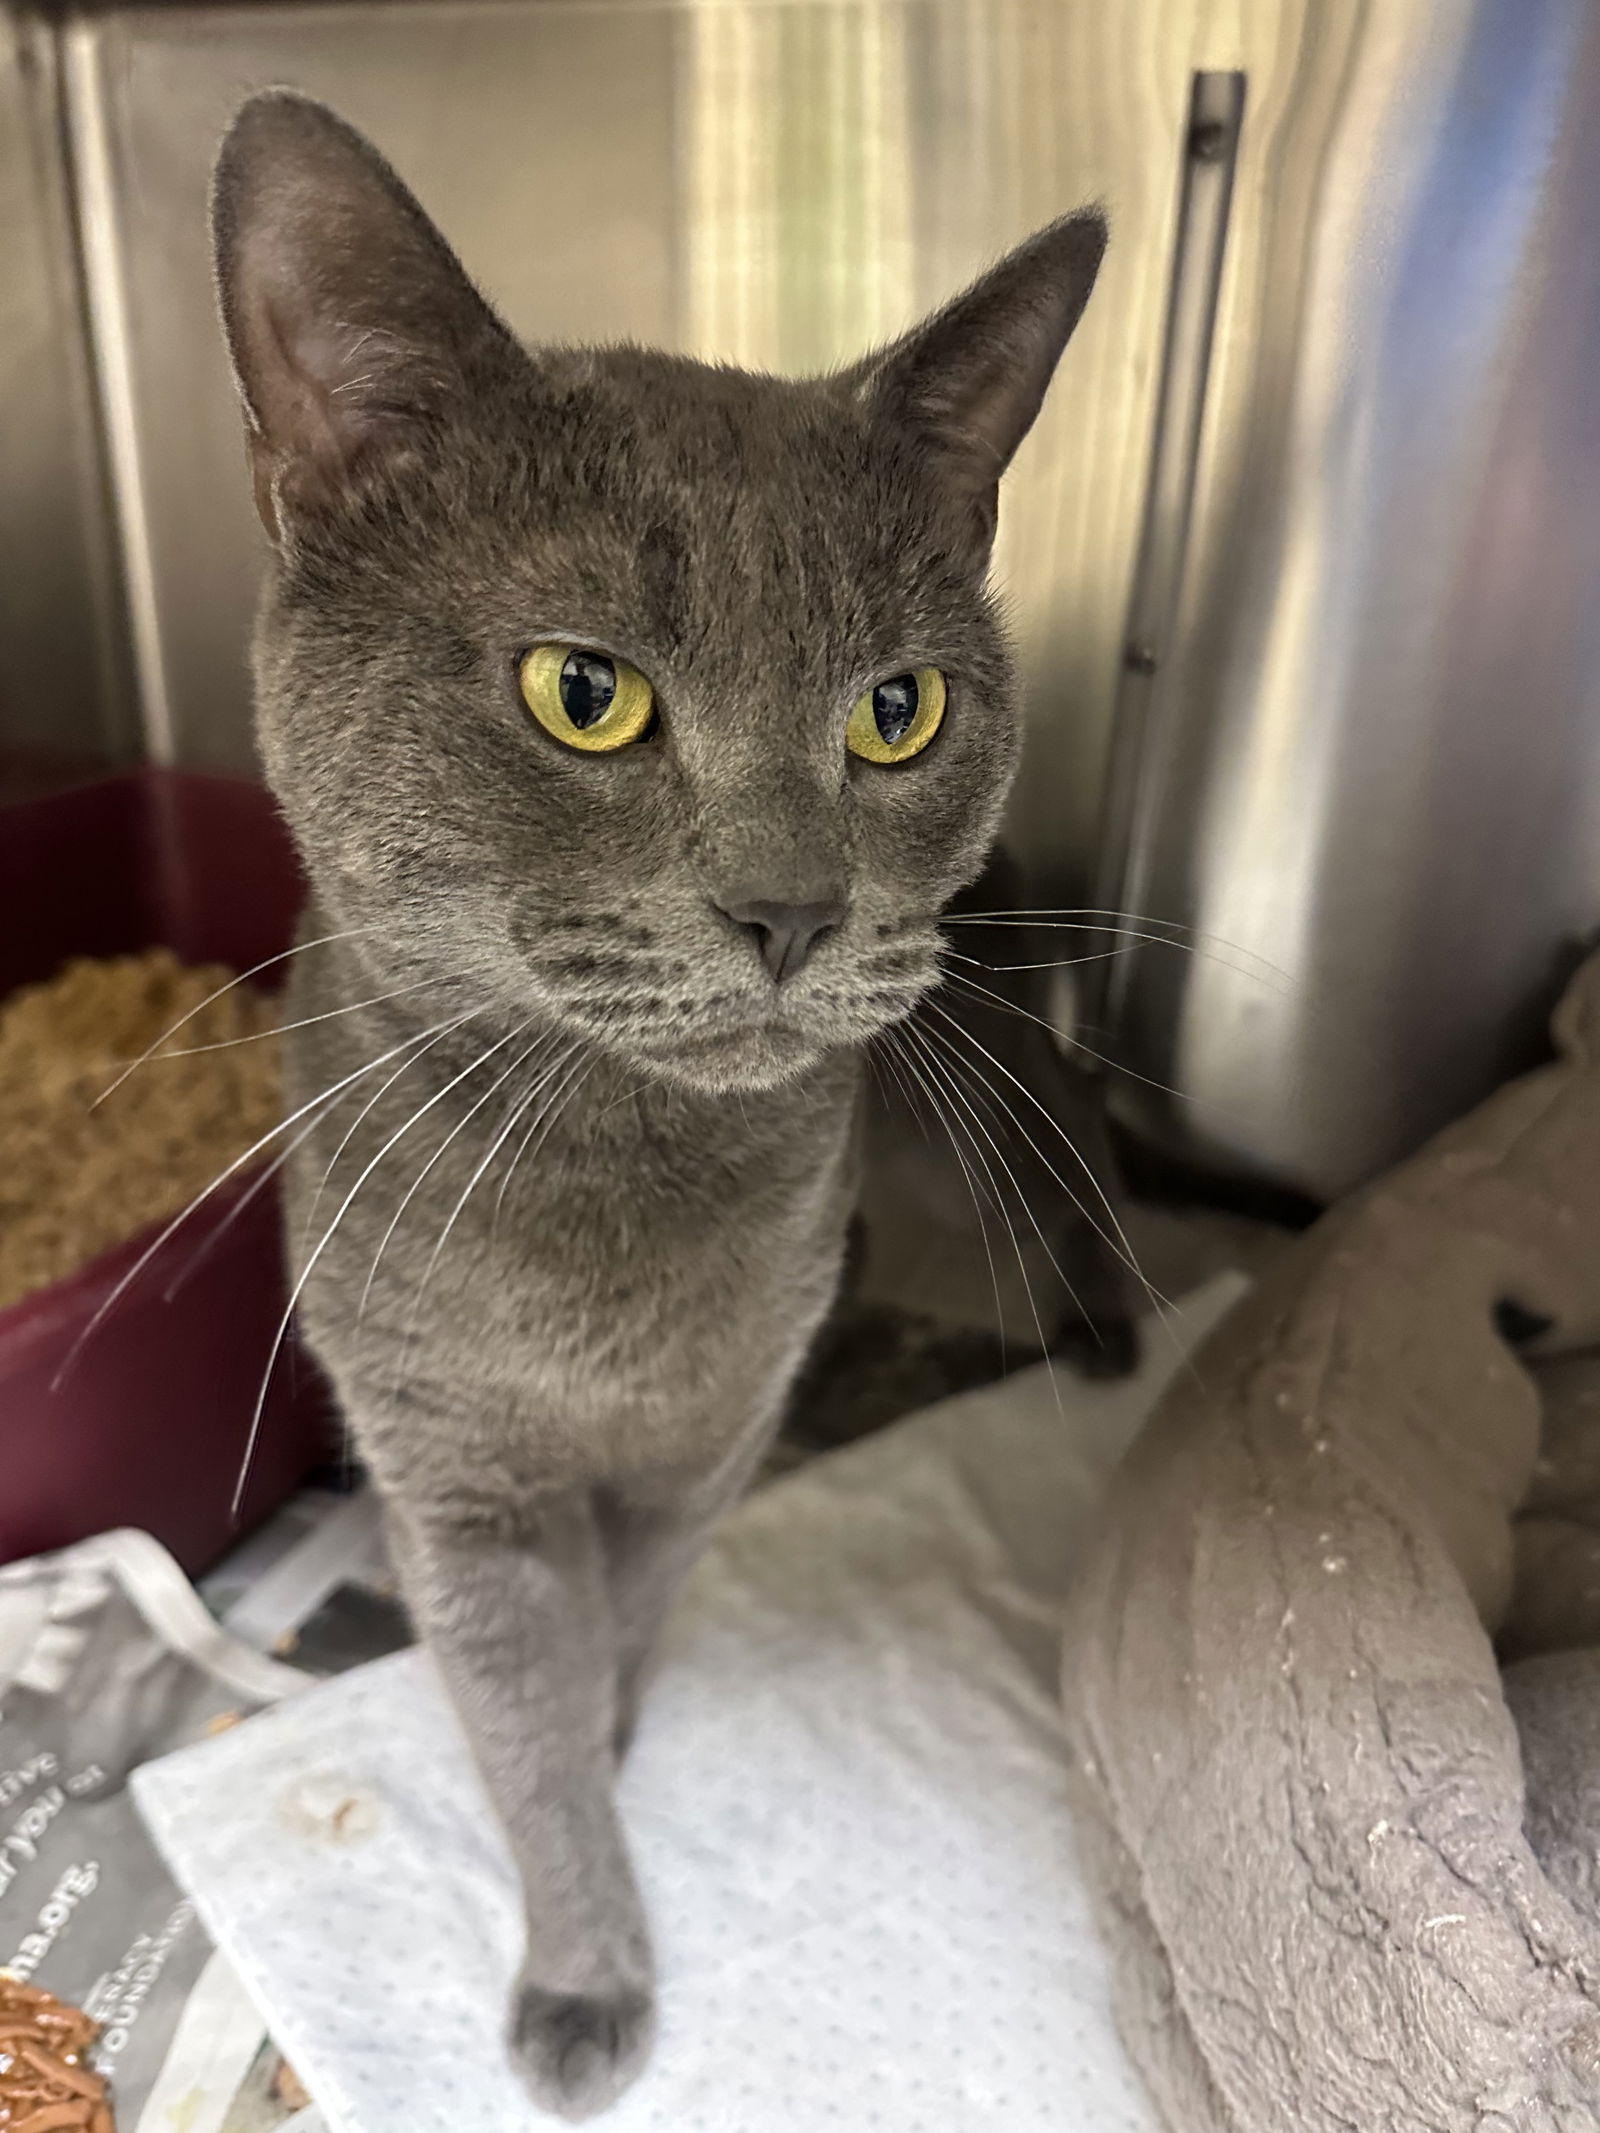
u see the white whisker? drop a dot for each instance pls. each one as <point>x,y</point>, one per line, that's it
<point>1070,918</point>
<point>959,1077</point>
<point>417,1182</point>
<point>327,1237</point>
<point>326,1096</point>
<point>893,1058</point>
<point>1073,1042</point>
<point>919,1037</point>
<point>1131,936</point>
<point>282,1029</point>
<point>183,1021</point>
<point>1066,962</point>
<point>1122,1248</point>
<point>1119,1244</point>
<point>972,1191</point>
<point>552,1106</point>
<point>433,1036</point>
<point>198,1257</point>
<point>518,1110</point>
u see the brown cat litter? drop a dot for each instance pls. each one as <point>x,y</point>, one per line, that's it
<point>44,2085</point>
<point>75,1179</point>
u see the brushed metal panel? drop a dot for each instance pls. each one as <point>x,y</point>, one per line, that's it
<point>63,688</point>
<point>1374,779</point>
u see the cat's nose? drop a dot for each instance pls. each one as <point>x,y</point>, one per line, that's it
<point>785,933</point>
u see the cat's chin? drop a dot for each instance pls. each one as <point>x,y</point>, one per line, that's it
<point>732,1061</point>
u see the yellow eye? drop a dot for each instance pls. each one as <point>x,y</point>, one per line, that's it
<point>586,699</point>
<point>897,719</point>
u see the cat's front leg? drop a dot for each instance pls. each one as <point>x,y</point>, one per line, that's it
<point>519,1622</point>
<point>653,1528</point>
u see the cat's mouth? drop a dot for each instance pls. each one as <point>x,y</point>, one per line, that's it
<point>748,1035</point>
<point>722,1057</point>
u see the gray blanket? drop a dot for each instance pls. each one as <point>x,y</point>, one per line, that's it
<point>1332,1672</point>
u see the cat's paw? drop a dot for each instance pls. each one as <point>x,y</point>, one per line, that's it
<point>578,2051</point>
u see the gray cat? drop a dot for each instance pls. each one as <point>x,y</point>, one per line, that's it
<point>636,718</point>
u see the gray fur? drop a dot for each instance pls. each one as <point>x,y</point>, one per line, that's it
<point>559,1373</point>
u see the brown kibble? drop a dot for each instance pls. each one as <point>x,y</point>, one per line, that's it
<point>64,2072</point>
<point>77,1178</point>
<point>53,2118</point>
<point>44,2086</point>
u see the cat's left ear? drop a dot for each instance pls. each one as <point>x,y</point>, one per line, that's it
<point>969,381</point>
<point>352,326</point>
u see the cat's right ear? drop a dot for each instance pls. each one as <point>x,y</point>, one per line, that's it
<point>968,382</point>
<point>351,324</point>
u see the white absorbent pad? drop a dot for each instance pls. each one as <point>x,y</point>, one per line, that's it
<point>845,1799</point>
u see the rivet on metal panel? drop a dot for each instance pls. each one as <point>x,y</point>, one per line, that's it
<point>1210,141</point>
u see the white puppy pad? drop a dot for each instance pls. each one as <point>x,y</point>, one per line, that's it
<point>846,1802</point>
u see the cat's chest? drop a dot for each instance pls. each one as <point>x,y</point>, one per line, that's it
<point>608,1299</point>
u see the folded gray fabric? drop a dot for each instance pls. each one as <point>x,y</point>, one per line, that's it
<point>1336,1906</point>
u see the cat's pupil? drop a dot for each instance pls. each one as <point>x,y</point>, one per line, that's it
<point>588,683</point>
<point>894,707</point>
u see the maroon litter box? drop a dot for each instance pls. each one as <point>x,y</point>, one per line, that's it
<point>148,1425</point>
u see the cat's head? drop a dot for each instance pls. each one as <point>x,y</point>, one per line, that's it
<point>657,700</point>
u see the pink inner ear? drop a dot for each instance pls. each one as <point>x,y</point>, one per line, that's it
<point>319,377</point>
<point>349,318</point>
<point>360,376</point>
<point>302,421</point>
<point>318,398</point>
<point>323,392</point>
